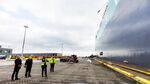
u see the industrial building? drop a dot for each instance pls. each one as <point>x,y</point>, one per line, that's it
<point>37,54</point>
<point>5,52</point>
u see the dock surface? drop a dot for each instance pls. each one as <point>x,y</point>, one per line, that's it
<point>83,72</point>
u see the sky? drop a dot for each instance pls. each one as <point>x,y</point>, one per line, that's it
<point>52,23</point>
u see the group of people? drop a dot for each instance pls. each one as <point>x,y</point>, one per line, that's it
<point>44,65</point>
<point>28,66</point>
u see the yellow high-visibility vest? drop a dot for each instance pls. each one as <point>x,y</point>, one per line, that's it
<point>44,61</point>
<point>52,60</point>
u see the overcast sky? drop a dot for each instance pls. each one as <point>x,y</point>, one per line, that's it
<point>52,23</point>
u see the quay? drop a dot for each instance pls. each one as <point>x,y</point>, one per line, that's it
<point>83,72</point>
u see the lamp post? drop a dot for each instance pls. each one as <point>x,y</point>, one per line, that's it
<point>62,48</point>
<point>24,40</point>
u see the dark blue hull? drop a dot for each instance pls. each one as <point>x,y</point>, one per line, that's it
<point>126,35</point>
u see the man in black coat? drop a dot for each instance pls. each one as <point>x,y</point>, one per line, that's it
<point>18,64</point>
<point>28,66</point>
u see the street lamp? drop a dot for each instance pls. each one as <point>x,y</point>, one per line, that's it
<point>24,39</point>
<point>62,48</point>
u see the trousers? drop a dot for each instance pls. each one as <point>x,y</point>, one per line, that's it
<point>44,69</point>
<point>15,72</point>
<point>52,67</point>
<point>28,71</point>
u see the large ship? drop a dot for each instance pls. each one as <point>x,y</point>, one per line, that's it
<point>124,32</point>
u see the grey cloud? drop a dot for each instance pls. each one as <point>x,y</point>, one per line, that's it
<point>54,30</point>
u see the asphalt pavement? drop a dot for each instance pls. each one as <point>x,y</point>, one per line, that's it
<point>83,72</point>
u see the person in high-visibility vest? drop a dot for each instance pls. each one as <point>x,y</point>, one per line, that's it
<point>52,63</point>
<point>44,66</point>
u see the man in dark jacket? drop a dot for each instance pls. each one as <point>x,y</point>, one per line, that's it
<point>28,66</point>
<point>18,64</point>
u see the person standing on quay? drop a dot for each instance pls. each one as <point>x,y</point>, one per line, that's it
<point>52,63</point>
<point>28,66</point>
<point>17,66</point>
<point>44,66</point>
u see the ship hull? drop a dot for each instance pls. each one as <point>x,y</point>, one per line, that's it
<point>126,35</point>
